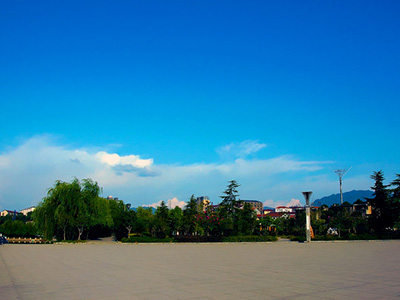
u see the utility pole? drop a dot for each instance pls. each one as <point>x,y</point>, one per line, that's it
<point>308,220</point>
<point>341,173</point>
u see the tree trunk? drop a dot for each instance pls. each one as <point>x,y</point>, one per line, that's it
<point>80,231</point>
<point>129,230</point>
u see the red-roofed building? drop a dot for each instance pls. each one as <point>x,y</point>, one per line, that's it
<point>283,209</point>
<point>8,212</point>
<point>286,215</point>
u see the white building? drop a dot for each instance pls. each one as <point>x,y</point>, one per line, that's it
<point>7,212</point>
<point>283,209</point>
<point>27,210</point>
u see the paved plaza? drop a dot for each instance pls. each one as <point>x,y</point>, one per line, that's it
<point>280,270</point>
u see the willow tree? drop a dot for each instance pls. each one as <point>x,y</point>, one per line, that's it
<point>54,212</point>
<point>70,207</point>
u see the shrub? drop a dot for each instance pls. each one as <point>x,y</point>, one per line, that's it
<point>298,239</point>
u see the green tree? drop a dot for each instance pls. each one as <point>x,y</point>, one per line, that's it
<point>145,220</point>
<point>161,220</point>
<point>129,220</point>
<point>228,209</point>
<point>6,228</point>
<point>190,216</point>
<point>71,206</point>
<point>18,228</point>
<point>359,223</point>
<point>246,220</point>
<point>45,213</point>
<point>380,217</point>
<point>175,218</point>
<point>343,222</point>
<point>117,209</point>
<point>63,219</point>
<point>229,203</point>
<point>395,201</point>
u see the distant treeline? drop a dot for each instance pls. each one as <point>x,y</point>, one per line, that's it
<point>74,210</point>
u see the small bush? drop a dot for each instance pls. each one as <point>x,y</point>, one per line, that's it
<point>325,238</point>
<point>298,239</point>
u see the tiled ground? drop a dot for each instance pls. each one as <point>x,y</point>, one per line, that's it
<point>340,270</point>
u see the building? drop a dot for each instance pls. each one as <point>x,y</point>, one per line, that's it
<point>203,202</point>
<point>8,212</point>
<point>284,215</point>
<point>255,204</point>
<point>113,198</point>
<point>25,211</point>
<point>362,208</point>
<point>282,209</point>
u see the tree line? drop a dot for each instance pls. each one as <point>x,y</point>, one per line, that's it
<point>74,210</point>
<point>380,220</point>
<point>18,225</point>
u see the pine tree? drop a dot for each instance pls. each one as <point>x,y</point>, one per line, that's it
<point>395,201</point>
<point>190,212</point>
<point>229,203</point>
<point>380,216</point>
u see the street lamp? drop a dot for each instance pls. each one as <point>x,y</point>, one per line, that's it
<point>307,196</point>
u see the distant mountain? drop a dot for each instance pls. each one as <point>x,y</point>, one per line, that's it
<point>350,197</point>
<point>267,207</point>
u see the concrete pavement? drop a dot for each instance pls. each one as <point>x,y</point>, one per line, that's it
<point>320,270</point>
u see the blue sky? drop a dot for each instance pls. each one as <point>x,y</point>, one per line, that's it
<point>158,100</point>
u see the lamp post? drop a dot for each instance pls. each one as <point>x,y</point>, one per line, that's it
<point>308,222</point>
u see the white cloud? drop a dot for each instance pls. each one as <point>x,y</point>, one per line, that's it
<point>132,160</point>
<point>171,203</point>
<point>174,202</point>
<point>240,150</point>
<point>3,161</point>
<point>294,202</point>
<point>28,170</point>
<point>154,205</point>
<point>269,203</point>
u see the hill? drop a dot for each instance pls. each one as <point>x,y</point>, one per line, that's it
<point>350,197</point>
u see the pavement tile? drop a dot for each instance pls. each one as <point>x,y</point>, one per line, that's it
<point>201,271</point>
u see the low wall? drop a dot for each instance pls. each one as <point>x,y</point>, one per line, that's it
<point>25,241</point>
